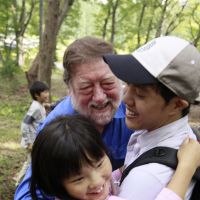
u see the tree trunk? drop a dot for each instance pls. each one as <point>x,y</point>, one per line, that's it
<point>140,23</point>
<point>160,22</point>
<point>106,21</point>
<point>114,12</point>
<point>41,68</point>
<point>21,20</point>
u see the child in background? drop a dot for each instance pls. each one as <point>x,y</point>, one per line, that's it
<point>39,92</point>
<point>69,161</point>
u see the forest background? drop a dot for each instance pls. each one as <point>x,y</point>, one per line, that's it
<point>35,33</point>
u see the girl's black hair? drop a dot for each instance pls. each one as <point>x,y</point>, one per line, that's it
<point>59,151</point>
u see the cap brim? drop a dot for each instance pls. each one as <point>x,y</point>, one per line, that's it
<point>128,69</point>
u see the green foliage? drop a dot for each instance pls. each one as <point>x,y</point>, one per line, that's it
<point>33,27</point>
<point>9,68</point>
<point>70,26</point>
<point>139,21</point>
<point>30,55</point>
<point>5,16</point>
<point>13,111</point>
<point>88,18</point>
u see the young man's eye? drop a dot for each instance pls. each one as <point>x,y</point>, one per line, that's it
<point>140,95</point>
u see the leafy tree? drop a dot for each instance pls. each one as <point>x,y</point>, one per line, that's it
<point>71,24</point>
<point>138,21</point>
<point>194,23</point>
<point>14,18</point>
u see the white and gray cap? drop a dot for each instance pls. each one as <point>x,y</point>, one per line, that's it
<point>168,59</point>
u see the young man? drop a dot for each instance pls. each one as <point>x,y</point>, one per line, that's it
<point>35,115</point>
<point>94,92</point>
<point>163,78</point>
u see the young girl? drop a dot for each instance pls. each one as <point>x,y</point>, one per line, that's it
<point>69,161</point>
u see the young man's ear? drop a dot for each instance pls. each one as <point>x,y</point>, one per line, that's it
<point>182,103</point>
<point>179,104</point>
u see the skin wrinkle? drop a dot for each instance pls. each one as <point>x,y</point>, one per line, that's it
<point>95,91</point>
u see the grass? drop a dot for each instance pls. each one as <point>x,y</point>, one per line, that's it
<point>14,103</point>
<point>14,100</point>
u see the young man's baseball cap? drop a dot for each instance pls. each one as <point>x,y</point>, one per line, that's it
<point>168,59</point>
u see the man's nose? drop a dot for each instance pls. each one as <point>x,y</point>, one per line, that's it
<point>98,94</point>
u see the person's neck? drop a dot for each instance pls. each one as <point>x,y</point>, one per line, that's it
<point>168,121</point>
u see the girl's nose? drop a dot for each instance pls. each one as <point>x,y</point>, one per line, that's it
<point>96,181</point>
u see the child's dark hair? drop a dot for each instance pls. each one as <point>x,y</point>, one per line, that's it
<point>167,94</point>
<point>59,152</point>
<point>36,88</point>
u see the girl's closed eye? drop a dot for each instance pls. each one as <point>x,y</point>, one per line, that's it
<point>100,163</point>
<point>77,179</point>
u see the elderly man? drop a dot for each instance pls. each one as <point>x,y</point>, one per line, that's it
<point>95,93</point>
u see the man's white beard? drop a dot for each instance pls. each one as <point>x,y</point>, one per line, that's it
<point>100,119</point>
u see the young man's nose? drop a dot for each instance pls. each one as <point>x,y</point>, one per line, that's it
<point>128,96</point>
<point>98,94</point>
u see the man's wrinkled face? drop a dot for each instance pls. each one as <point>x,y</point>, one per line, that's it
<point>95,91</point>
